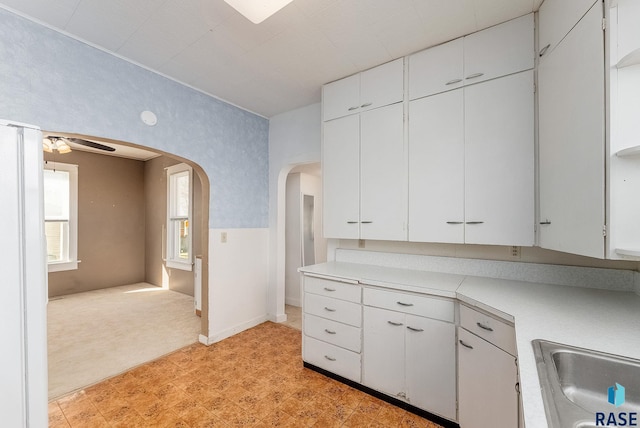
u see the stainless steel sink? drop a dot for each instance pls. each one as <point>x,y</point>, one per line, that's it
<point>575,384</point>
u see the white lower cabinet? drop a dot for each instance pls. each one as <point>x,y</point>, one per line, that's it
<point>411,358</point>
<point>488,394</point>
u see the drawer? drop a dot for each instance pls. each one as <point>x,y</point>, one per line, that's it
<point>431,307</point>
<point>332,358</point>
<point>336,289</point>
<point>489,328</point>
<point>333,309</point>
<point>343,335</point>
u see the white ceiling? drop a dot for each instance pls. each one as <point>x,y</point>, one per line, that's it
<point>275,66</point>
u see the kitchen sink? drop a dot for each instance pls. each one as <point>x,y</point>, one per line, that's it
<point>575,385</point>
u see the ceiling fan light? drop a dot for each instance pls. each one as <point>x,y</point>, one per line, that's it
<point>257,11</point>
<point>47,145</point>
<point>63,148</point>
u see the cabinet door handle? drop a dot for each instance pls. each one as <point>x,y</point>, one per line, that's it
<point>474,75</point>
<point>329,331</point>
<point>366,105</point>
<point>455,222</point>
<point>353,108</point>
<point>465,345</point>
<point>397,324</point>
<point>352,222</point>
<point>329,358</point>
<point>404,304</point>
<point>544,49</point>
<point>453,81</point>
<point>366,222</point>
<point>474,222</point>
<point>329,289</point>
<point>329,309</point>
<point>545,222</point>
<point>415,329</point>
<point>484,327</point>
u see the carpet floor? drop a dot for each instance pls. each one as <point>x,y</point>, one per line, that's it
<point>99,334</point>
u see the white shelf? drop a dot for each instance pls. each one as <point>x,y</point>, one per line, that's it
<point>628,253</point>
<point>631,151</point>
<point>632,58</point>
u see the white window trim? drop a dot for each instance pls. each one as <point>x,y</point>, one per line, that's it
<point>172,262</point>
<point>72,262</point>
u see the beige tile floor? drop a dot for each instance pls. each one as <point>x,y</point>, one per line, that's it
<point>294,316</point>
<point>253,379</point>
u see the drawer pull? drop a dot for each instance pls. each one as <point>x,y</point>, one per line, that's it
<point>465,345</point>
<point>404,304</point>
<point>474,222</point>
<point>415,329</point>
<point>329,309</point>
<point>329,358</point>
<point>397,324</point>
<point>366,105</point>
<point>329,331</point>
<point>352,222</point>
<point>455,222</point>
<point>474,75</point>
<point>366,222</point>
<point>453,81</point>
<point>329,289</point>
<point>353,108</point>
<point>484,327</point>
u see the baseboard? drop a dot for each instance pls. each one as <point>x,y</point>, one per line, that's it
<point>278,318</point>
<point>292,302</point>
<point>221,335</point>
<point>204,340</point>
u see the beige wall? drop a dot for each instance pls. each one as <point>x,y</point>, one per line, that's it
<point>111,224</point>
<point>156,272</point>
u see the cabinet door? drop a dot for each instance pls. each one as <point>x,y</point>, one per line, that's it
<point>383,362</point>
<point>497,51</point>
<point>341,97</point>
<point>571,141</point>
<point>487,377</point>
<point>499,161</point>
<point>382,85</point>
<point>436,69</point>
<point>431,365</point>
<point>382,174</point>
<point>341,177</point>
<point>436,168</point>
<point>556,18</point>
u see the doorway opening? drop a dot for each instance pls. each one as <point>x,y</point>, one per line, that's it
<point>304,244</point>
<point>122,272</point>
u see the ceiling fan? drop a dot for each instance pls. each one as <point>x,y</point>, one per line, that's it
<point>61,144</point>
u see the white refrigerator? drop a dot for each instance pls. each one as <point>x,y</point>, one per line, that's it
<point>23,278</point>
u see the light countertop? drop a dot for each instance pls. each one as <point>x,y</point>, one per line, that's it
<point>602,320</point>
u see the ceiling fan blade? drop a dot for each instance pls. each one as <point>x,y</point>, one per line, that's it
<point>92,144</point>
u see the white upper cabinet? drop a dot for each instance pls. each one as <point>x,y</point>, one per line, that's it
<point>377,87</point>
<point>437,69</point>
<point>556,19</point>
<point>436,168</point>
<point>497,51</point>
<point>383,212</point>
<point>572,141</point>
<point>341,178</point>
<point>341,97</point>
<point>499,161</point>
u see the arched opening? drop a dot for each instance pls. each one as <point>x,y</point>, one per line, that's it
<point>299,239</point>
<point>122,208</point>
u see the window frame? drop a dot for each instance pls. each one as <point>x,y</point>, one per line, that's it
<point>72,261</point>
<point>171,260</point>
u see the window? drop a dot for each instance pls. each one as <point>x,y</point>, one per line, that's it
<point>179,186</point>
<point>61,215</point>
